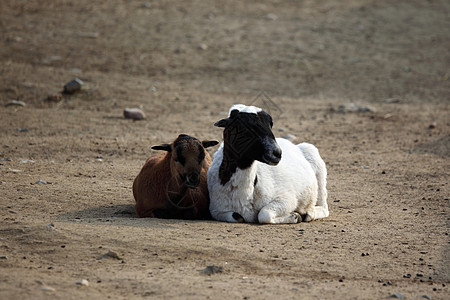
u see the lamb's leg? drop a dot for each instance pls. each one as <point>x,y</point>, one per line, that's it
<point>277,213</point>
<point>229,216</point>
<point>318,212</point>
<point>312,155</point>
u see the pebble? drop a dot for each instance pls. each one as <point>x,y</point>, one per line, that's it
<point>109,254</point>
<point>40,181</point>
<point>22,129</point>
<point>426,297</point>
<point>397,295</point>
<point>51,59</point>
<point>50,227</point>
<point>83,282</point>
<point>3,257</point>
<point>54,97</point>
<point>73,86</point>
<point>133,113</point>
<point>289,137</point>
<point>47,288</point>
<point>272,17</point>
<point>212,270</point>
<point>203,47</point>
<point>352,107</point>
<point>432,125</point>
<point>91,35</point>
<point>15,103</point>
<point>391,100</point>
<point>25,161</point>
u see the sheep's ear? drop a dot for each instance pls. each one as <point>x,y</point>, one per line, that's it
<point>222,123</point>
<point>207,144</point>
<point>165,147</point>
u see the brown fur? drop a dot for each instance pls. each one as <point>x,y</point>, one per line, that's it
<point>159,179</point>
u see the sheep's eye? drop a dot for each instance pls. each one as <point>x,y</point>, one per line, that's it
<point>175,160</point>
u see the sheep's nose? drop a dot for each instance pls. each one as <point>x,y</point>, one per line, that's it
<point>277,152</point>
<point>273,155</point>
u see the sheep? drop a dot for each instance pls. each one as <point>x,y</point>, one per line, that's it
<point>257,178</point>
<point>173,184</point>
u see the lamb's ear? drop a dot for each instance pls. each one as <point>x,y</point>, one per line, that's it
<point>165,147</point>
<point>207,144</point>
<point>222,123</point>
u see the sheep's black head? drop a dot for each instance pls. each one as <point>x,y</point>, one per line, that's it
<point>188,157</point>
<point>248,136</point>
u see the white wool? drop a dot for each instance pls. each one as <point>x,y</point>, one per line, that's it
<point>294,187</point>
<point>245,109</point>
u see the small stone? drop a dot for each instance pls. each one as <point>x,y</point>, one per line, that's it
<point>40,181</point>
<point>90,35</point>
<point>25,161</point>
<point>272,17</point>
<point>47,288</point>
<point>3,257</point>
<point>419,275</point>
<point>352,107</point>
<point>54,97</point>
<point>109,254</point>
<point>73,86</point>
<point>426,297</point>
<point>82,282</point>
<point>15,103</point>
<point>50,227</point>
<point>212,270</point>
<point>22,129</point>
<point>397,295</point>
<point>392,100</point>
<point>203,47</point>
<point>133,113</point>
<point>432,125</point>
<point>51,59</point>
<point>289,137</point>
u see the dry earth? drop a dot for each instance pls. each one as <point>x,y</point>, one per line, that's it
<point>184,63</point>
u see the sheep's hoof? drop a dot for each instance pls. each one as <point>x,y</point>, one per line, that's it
<point>295,218</point>
<point>238,218</point>
<point>306,218</point>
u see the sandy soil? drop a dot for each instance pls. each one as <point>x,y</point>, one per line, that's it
<point>184,63</point>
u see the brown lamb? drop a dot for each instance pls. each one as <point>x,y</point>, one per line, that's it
<point>173,184</point>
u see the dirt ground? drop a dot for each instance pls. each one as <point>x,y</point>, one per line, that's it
<point>184,63</point>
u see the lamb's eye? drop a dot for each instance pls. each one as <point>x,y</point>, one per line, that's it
<point>175,159</point>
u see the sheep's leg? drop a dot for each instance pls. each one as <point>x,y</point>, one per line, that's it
<point>312,155</point>
<point>318,212</point>
<point>229,216</point>
<point>276,213</point>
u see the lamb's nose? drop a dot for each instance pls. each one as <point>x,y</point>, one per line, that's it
<point>277,152</point>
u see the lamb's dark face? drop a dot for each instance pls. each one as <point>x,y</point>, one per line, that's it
<point>248,137</point>
<point>188,157</point>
